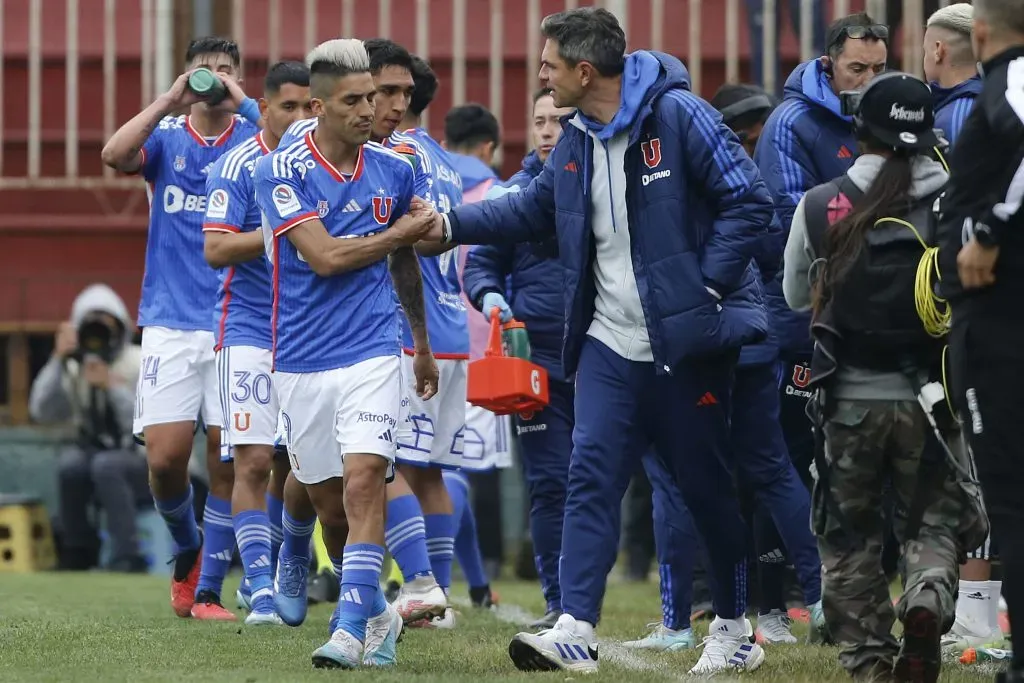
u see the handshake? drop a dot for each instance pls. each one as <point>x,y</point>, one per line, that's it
<point>421,222</point>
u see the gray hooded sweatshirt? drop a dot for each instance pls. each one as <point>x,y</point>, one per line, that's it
<point>801,270</point>
<point>59,394</point>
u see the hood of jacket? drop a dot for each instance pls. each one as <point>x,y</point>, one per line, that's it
<point>100,297</point>
<point>928,174</point>
<point>943,96</point>
<point>646,76</point>
<point>810,83</point>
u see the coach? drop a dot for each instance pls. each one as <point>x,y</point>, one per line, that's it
<point>657,212</point>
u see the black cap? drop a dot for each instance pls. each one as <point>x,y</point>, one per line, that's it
<point>897,109</point>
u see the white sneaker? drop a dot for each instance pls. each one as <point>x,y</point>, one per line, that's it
<point>263,619</point>
<point>382,632</point>
<point>967,633</point>
<point>728,646</point>
<point>447,622</point>
<point>663,639</point>
<point>421,598</point>
<point>342,651</point>
<point>566,647</point>
<point>774,628</point>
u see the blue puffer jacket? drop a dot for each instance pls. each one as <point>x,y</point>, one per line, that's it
<point>805,142</point>
<point>700,229</point>
<point>534,276</point>
<point>953,105</point>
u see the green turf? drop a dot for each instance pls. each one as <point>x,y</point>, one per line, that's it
<point>103,628</point>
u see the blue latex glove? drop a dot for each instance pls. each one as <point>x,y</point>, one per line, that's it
<point>494,300</point>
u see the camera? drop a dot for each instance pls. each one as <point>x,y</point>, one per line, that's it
<point>849,102</point>
<point>97,338</point>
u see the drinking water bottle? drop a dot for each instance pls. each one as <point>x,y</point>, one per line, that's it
<point>515,341</point>
<point>208,86</point>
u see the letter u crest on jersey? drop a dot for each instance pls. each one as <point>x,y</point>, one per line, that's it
<point>243,421</point>
<point>382,209</point>
<point>801,376</point>
<point>652,152</point>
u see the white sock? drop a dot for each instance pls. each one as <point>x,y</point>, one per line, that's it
<point>995,589</point>
<point>585,630</point>
<point>973,603</point>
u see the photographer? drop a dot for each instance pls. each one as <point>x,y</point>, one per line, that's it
<point>860,255</point>
<point>90,381</point>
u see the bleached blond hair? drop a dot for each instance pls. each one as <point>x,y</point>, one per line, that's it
<point>958,17</point>
<point>339,56</point>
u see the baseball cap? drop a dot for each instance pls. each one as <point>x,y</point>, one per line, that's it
<point>896,108</point>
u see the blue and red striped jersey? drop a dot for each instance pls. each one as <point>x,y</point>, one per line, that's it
<point>178,287</point>
<point>245,296</point>
<point>324,323</point>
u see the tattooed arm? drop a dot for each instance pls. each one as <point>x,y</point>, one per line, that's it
<point>123,150</point>
<point>405,274</point>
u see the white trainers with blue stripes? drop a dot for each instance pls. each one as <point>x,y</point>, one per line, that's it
<point>566,647</point>
<point>729,645</point>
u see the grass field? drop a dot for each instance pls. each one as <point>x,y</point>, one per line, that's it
<point>103,628</point>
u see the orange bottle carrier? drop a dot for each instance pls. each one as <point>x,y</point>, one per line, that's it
<point>505,384</point>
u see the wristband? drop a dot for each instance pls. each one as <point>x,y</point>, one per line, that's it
<point>250,109</point>
<point>446,230</point>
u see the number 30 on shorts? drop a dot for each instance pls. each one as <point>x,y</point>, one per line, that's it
<point>251,385</point>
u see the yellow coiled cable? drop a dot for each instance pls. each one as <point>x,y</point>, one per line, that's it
<point>932,309</point>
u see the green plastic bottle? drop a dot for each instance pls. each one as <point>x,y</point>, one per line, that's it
<point>206,85</point>
<point>514,340</point>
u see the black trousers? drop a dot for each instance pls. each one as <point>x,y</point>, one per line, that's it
<point>987,367</point>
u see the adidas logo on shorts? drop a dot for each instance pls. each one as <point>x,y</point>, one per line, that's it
<point>386,436</point>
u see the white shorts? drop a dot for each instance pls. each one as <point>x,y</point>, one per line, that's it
<point>329,414</point>
<point>487,444</point>
<point>177,379</point>
<point>248,403</point>
<point>431,432</point>
<point>280,436</point>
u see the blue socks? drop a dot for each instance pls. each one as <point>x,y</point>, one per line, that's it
<point>252,529</point>
<point>297,535</point>
<point>361,597</point>
<point>440,547</point>
<point>219,544</point>
<point>275,509</point>
<point>405,537</point>
<point>180,520</point>
<point>467,546</point>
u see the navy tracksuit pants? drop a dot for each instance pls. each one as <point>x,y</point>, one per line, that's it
<point>623,408</point>
<point>546,444</point>
<point>763,466</point>
<point>760,458</point>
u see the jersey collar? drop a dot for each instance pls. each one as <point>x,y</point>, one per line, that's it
<point>221,139</point>
<point>329,167</point>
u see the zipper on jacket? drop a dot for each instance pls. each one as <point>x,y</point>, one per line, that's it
<point>611,188</point>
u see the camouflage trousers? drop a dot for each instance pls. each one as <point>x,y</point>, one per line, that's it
<point>868,443</point>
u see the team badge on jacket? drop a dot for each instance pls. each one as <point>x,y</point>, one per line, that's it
<point>652,152</point>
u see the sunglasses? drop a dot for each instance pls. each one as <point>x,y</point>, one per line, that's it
<point>876,31</point>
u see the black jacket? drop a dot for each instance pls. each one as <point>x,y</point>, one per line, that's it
<point>987,186</point>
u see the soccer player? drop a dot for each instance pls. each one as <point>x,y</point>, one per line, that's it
<point>343,213</point>
<point>430,434</point>
<point>178,379</point>
<point>234,243</point>
<point>423,595</point>
<point>441,270</point>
